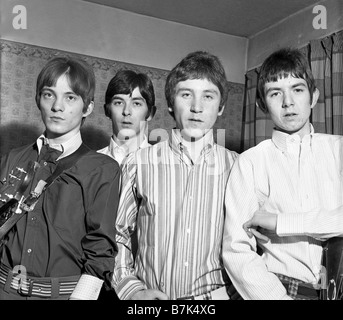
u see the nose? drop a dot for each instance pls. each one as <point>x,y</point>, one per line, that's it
<point>287,100</point>
<point>127,109</point>
<point>196,105</point>
<point>57,105</point>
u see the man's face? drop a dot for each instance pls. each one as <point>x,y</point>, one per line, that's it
<point>129,114</point>
<point>196,107</point>
<point>62,110</point>
<point>289,104</point>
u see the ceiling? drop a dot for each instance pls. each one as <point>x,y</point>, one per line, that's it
<point>243,18</point>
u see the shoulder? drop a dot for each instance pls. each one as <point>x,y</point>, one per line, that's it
<point>226,152</point>
<point>328,137</point>
<point>259,148</point>
<point>255,155</point>
<point>95,161</point>
<point>16,154</point>
<point>152,149</point>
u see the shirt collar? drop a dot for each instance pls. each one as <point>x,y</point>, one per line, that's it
<point>282,140</point>
<point>179,148</point>
<point>124,149</point>
<point>67,147</point>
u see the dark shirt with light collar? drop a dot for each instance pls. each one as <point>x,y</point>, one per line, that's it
<point>70,231</point>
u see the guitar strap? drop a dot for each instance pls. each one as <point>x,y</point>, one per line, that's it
<point>63,164</point>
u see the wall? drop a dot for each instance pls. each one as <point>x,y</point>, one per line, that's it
<point>109,39</point>
<point>297,30</point>
<point>101,31</point>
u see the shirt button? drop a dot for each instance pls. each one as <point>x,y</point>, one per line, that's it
<point>188,231</point>
<point>186,264</point>
<point>33,218</point>
<point>29,250</point>
<point>162,284</point>
<point>45,163</point>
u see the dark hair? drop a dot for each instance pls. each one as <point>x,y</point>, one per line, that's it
<point>124,82</point>
<point>80,77</point>
<point>281,64</point>
<point>197,65</point>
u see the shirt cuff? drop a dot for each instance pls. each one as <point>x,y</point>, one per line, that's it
<point>126,288</point>
<point>87,288</point>
<point>290,224</point>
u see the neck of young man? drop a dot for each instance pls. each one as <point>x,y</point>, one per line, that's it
<point>132,143</point>
<point>195,147</point>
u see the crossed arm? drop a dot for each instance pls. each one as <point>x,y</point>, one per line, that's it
<point>320,224</point>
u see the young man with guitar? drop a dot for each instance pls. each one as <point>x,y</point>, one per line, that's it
<point>63,197</point>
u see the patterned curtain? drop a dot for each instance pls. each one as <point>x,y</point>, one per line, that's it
<point>326,59</point>
<point>327,68</point>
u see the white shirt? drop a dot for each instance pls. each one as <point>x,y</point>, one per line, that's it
<point>321,224</point>
<point>282,174</point>
<point>119,153</point>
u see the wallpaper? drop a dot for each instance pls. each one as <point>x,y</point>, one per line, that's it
<point>20,121</point>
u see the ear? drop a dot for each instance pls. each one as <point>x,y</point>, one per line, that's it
<point>315,97</point>
<point>152,113</point>
<point>171,112</point>
<point>107,113</point>
<point>89,110</point>
<point>221,110</point>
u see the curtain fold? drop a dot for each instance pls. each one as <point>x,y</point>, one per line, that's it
<point>326,61</point>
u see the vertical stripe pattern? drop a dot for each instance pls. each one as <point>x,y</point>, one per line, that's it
<point>178,209</point>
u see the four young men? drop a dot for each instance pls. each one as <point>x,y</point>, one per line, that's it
<point>193,215</point>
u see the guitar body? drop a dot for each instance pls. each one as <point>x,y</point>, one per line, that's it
<point>333,262</point>
<point>12,195</point>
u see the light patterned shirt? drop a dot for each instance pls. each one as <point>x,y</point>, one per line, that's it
<point>280,175</point>
<point>119,153</point>
<point>178,209</point>
<point>321,224</point>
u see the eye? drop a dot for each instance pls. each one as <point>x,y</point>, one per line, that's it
<point>117,103</point>
<point>137,103</point>
<point>208,97</point>
<point>274,94</point>
<point>298,90</point>
<point>71,98</point>
<point>47,95</point>
<point>185,94</point>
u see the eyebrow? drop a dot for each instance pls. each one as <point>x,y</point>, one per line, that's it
<point>52,90</point>
<point>298,84</point>
<point>215,91</point>
<point>115,97</point>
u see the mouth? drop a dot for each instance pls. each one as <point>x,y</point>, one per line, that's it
<point>290,115</point>
<point>126,123</point>
<point>56,118</point>
<point>195,120</point>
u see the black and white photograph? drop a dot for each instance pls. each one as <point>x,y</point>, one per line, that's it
<point>189,151</point>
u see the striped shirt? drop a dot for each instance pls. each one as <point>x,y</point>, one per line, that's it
<point>178,209</point>
<point>280,175</point>
<point>321,224</point>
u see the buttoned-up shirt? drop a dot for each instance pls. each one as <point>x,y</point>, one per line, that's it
<point>177,207</point>
<point>282,174</point>
<point>118,152</point>
<point>69,231</point>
